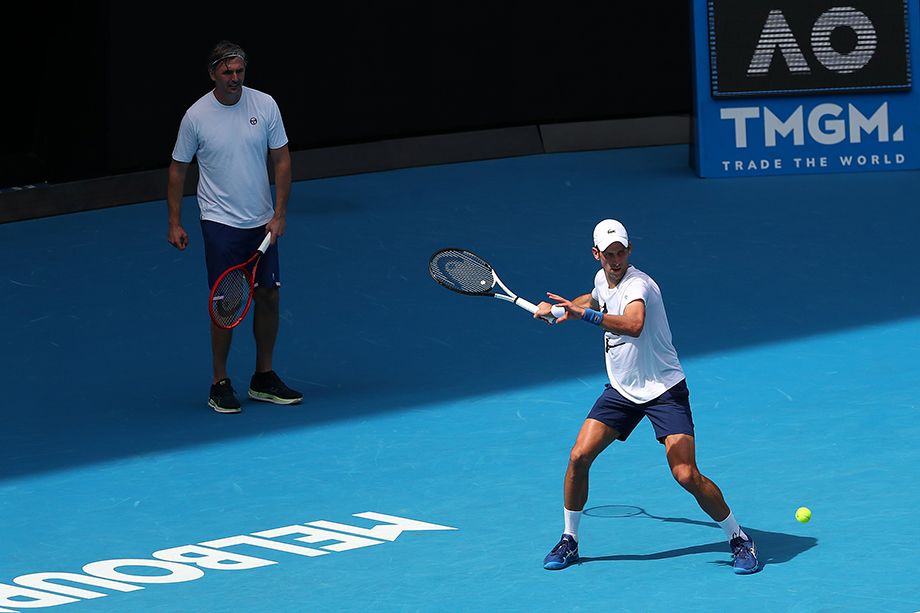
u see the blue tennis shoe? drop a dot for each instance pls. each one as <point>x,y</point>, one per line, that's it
<point>563,554</point>
<point>744,555</point>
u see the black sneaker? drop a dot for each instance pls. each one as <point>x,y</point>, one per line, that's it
<point>269,387</point>
<point>223,399</point>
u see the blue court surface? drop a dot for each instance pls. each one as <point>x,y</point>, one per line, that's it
<point>424,470</point>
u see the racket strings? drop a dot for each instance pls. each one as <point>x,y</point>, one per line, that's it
<point>230,297</point>
<point>462,271</point>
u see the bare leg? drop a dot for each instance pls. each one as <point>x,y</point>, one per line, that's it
<point>265,325</point>
<point>220,351</point>
<point>681,452</point>
<point>593,438</point>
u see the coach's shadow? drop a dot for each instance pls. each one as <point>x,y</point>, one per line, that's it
<point>772,547</point>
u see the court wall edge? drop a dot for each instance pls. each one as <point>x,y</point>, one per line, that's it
<point>31,202</point>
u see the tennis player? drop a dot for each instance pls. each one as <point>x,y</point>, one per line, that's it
<point>646,380</point>
<point>233,131</point>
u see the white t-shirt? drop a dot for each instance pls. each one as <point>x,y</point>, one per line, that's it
<point>642,368</point>
<point>231,144</point>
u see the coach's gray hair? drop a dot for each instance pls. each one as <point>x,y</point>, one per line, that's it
<point>223,51</point>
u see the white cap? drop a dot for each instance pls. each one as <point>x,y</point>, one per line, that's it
<point>610,231</point>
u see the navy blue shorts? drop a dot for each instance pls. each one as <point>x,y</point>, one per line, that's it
<point>226,246</point>
<point>669,413</point>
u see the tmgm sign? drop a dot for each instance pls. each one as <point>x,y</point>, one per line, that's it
<point>804,86</point>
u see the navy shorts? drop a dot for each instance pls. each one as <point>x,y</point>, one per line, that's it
<point>669,413</point>
<point>226,246</point>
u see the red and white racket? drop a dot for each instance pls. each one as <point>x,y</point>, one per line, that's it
<point>231,295</point>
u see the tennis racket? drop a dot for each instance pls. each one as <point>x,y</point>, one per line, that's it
<point>232,292</point>
<point>466,273</point>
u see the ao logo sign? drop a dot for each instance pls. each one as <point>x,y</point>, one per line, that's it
<point>807,46</point>
<point>823,122</point>
<point>776,34</point>
<point>790,86</point>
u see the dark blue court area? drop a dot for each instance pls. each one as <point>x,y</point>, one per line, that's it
<point>424,470</point>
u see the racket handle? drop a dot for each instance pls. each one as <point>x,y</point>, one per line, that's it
<point>265,242</point>
<point>532,308</point>
<point>524,304</point>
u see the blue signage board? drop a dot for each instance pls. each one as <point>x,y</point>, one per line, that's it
<point>804,86</point>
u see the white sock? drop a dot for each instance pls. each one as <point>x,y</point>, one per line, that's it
<point>572,519</point>
<point>731,527</point>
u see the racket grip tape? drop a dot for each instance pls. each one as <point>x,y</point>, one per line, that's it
<point>532,308</point>
<point>265,242</point>
<point>526,305</point>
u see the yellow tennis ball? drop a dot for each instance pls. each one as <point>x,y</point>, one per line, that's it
<point>803,514</point>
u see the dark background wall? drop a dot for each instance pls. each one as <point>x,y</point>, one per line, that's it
<point>98,88</point>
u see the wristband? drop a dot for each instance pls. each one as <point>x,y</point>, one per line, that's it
<point>593,317</point>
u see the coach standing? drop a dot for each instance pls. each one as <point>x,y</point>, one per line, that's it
<point>233,131</point>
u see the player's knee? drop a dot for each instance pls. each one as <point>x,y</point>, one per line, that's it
<point>580,458</point>
<point>268,296</point>
<point>687,475</point>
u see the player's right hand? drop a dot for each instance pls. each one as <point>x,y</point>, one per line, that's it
<point>177,237</point>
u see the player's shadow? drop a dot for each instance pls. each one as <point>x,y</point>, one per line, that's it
<point>772,547</point>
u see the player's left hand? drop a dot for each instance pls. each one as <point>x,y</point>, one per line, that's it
<point>276,227</point>
<point>571,309</point>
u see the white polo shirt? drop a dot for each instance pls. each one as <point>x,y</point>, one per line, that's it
<point>642,368</point>
<point>231,144</point>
